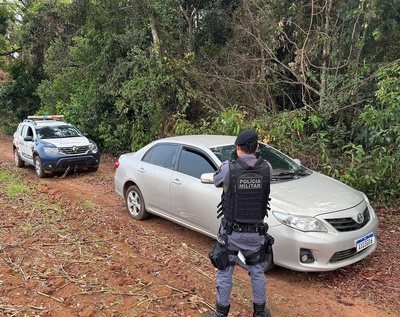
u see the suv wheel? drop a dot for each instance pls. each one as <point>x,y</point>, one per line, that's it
<point>39,167</point>
<point>17,159</point>
<point>93,168</point>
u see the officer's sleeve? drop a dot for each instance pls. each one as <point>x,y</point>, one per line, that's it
<point>220,174</point>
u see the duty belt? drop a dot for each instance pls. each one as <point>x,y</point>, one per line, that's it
<point>240,227</point>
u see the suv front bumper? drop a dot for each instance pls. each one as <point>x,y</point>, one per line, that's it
<point>79,162</point>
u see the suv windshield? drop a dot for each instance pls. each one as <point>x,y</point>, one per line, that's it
<point>282,165</point>
<point>57,132</point>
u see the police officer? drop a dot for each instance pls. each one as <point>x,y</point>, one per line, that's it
<point>246,187</point>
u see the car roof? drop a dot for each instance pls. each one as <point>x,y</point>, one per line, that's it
<point>206,140</point>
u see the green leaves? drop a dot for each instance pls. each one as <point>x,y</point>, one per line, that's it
<point>303,74</point>
<point>382,117</point>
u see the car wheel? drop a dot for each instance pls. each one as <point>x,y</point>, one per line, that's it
<point>135,203</point>
<point>38,167</point>
<point>93,168</point>
<point>268,265</point>
<point>18,160</point>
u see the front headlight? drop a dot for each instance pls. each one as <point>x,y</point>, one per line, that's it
<point>365,198</point>
<point>93,147</point>
<point>51,150</point>
<point>301,223</point>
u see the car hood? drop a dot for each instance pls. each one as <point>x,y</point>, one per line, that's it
<point>65,142</point>
<point>313,195</point>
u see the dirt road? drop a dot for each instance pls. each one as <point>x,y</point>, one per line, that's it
<point>69,248</point>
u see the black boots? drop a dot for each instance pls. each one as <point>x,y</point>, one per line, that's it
<point>222,311</point>
<point>260,310</point>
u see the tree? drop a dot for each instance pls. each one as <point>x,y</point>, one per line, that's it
<point>8,19</point>
<point>36,25</point>
<point>118,73</point>
<point>288,55</point>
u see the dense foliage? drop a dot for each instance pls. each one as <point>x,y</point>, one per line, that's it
<point>318,79</point>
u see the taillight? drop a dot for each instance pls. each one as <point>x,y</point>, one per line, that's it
<point>116,164</point>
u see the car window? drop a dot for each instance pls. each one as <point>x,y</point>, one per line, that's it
<point>280,162</point>
<point>29,131</point>
<point>194,163</point>
<point>57,132</point>
<point>161,155</point>
<point>24,131</point>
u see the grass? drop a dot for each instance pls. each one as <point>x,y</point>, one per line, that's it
<point>13,185</point>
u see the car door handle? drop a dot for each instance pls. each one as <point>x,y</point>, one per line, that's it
<point>176,181</point>
<point>141,170</point>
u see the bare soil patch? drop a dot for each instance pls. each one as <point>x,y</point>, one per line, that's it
<point>69,248</point>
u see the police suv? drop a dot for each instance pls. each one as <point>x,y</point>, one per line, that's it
<point>52,145</point>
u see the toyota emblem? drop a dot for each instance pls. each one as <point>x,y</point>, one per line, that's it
<point>75,149</point>
<point>360,218</point>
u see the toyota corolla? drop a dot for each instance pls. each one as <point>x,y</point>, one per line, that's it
<point>319,224</point>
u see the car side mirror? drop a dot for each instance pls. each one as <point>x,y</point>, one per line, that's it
<point>28,138</point>
<point>207,178</point>
<point>297,161</point>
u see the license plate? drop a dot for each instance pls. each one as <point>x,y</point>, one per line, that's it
<point>365,242</point>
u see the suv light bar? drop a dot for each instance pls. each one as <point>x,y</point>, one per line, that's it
<point>47,117</point>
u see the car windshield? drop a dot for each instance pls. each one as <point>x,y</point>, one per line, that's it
<point>282,165</point>
<point>57,132</point>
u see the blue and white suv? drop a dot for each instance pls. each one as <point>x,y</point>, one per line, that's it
<point>52,145</point>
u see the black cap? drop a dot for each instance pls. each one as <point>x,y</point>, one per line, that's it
<point>246,137</point>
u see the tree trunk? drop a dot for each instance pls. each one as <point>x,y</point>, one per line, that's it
<point>189,20</point>
<point>154,31</point>
<point>325,54</point>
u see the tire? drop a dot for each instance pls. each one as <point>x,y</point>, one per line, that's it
<point>18,160</point>
<point>93,168</point>
<point>38,167</point>
<point>267,265</point>
<point>135,203</point>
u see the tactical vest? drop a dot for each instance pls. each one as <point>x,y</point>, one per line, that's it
<point>247,198</point>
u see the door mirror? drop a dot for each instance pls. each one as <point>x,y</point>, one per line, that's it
<point>207,178</point>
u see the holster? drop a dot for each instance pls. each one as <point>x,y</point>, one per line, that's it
<point>266,249</point>
<point>265,252</point>
<point>219,255</point>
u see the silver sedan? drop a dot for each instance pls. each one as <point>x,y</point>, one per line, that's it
<point>319,224</point>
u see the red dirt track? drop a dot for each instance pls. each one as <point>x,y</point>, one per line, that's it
<point>69,248</point>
